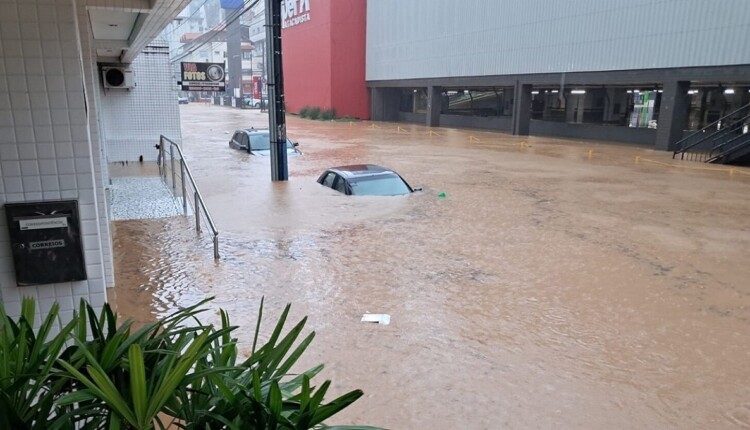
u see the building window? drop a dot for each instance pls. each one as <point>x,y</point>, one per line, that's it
<point>709,103</point>
<point>413,100</point>
<point>635,106</point>
<point>247,55</point>
<point>478,102</point>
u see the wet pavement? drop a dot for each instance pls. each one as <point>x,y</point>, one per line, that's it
<point>559,284</point>
<point>142,198</point>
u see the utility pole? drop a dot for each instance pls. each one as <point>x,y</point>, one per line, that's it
<point>234,57</point>
<point>276,105</point>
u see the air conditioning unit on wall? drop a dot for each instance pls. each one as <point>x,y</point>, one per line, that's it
<point>118,77</point>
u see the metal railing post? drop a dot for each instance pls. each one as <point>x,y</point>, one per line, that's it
<point>160,157</point>
<point>185,174</point>
<point>197,212</point>
<point>171,158</point>
<point>182,180</point>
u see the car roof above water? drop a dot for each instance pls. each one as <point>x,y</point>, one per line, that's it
<point>257,130</point>
<point>358,170</point>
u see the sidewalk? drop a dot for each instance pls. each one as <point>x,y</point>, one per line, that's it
<point>137,192</point>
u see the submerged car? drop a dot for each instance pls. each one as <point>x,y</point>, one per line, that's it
<point>365,180</point>
<point>251,101</point>
<point>258,142</point>
<point>182,100</point>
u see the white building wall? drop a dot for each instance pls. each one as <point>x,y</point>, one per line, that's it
<point>45,150</point>
<point>449,38</point>
<point>132,120</point>
<point>101,170</point>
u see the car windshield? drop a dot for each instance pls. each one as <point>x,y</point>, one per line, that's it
<point>390,185</point>
<point>261,142</point>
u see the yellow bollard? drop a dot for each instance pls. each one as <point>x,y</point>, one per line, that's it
<point>731,172</point>
<point>591,152</point>
<point>637,158</point>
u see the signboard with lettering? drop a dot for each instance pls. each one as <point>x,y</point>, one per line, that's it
<point>203,76</point>
<point>294,12</point>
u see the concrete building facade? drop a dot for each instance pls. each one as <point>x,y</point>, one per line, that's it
<point>644,71</point>
<point>324,56</point>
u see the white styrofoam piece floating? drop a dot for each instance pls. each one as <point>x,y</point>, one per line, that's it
<point>384,319</point>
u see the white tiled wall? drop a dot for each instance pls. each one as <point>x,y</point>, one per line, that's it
<point>101,173</point>
<point>133,119</point>
<point>45,150</point>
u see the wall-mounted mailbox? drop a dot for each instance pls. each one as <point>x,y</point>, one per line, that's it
<point>45,238</point>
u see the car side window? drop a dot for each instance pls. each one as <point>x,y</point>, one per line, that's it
<point>244,142</point>
<point>328,180</point>
<point>340,185</point>
<point>237,137</point>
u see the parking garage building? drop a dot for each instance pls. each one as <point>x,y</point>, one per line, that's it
<point>645,72</point>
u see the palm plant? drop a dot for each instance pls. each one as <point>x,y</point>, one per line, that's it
<point>121,379</point>
<point>175,372</point>
<point>27,389</point>
<point>258,392</point>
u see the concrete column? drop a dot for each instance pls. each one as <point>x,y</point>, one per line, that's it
<point>434,106</point>
<point>575,104</point>
<point>609,106</point>
<point>234,60</point>
<point>673,114</point>
<point>377,104</point>
<point>580,108</point>
<point>385,103</point>
<point>521,109</point>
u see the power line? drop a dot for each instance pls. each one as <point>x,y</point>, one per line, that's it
<point>226,22</point>
<point>188,18</point>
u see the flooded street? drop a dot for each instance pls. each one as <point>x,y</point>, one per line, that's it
<point>559,284</point>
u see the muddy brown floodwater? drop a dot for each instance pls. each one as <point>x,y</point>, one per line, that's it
<point>559,284</point>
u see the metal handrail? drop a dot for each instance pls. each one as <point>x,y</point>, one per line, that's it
<point>198,199</point>
<point>703,149</point>
<point>681,146</point>
<point>732,145</point>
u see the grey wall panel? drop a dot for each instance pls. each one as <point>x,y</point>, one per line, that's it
<point>445,38</point>
<point>414,118</point>
<point>640,136</point>
<point>504,123</point>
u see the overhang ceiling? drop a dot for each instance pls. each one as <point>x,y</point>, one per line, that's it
<point>122,28</point>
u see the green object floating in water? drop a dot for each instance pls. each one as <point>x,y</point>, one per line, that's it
<point>441,194</point>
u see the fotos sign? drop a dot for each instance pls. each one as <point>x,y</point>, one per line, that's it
<point>203,76</point>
